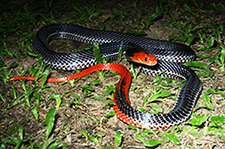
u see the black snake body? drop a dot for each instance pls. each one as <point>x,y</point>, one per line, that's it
<point>168,54</point>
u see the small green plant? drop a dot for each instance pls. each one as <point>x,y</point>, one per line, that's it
<point>207,100</point>
<point>20,142</point>
<point>205,72</point>
<point>5,72</point>
<point>217,126</point>
<point>99,59</point>
<point>4,51</point>
<point>118,138</point>
<point>160,10</point>
<point>87,13</point>
<point>169,137</point>
<point>148,142</point>
<point>219,60</point>
<point>87,90</point>
<point>134,73</point>
<point>93,138</point>
<point>50,123</point>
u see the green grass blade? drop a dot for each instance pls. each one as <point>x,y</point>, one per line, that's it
<point>50,121</point>
<point>118,138</point>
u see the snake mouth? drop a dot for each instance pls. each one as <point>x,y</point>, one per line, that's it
<point>153,63</point>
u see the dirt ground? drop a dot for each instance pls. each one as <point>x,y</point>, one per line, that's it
<point>71,118</point>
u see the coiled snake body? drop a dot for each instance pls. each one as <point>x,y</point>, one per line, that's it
<point>167,53</point>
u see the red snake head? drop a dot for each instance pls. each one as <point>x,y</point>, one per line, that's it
<point>144,58</point>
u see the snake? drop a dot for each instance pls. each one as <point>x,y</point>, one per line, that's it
<point>156,58</point>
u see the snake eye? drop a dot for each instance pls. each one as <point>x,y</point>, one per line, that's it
<point>146,59</point>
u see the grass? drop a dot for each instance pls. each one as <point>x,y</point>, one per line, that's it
<point>18,24</point>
